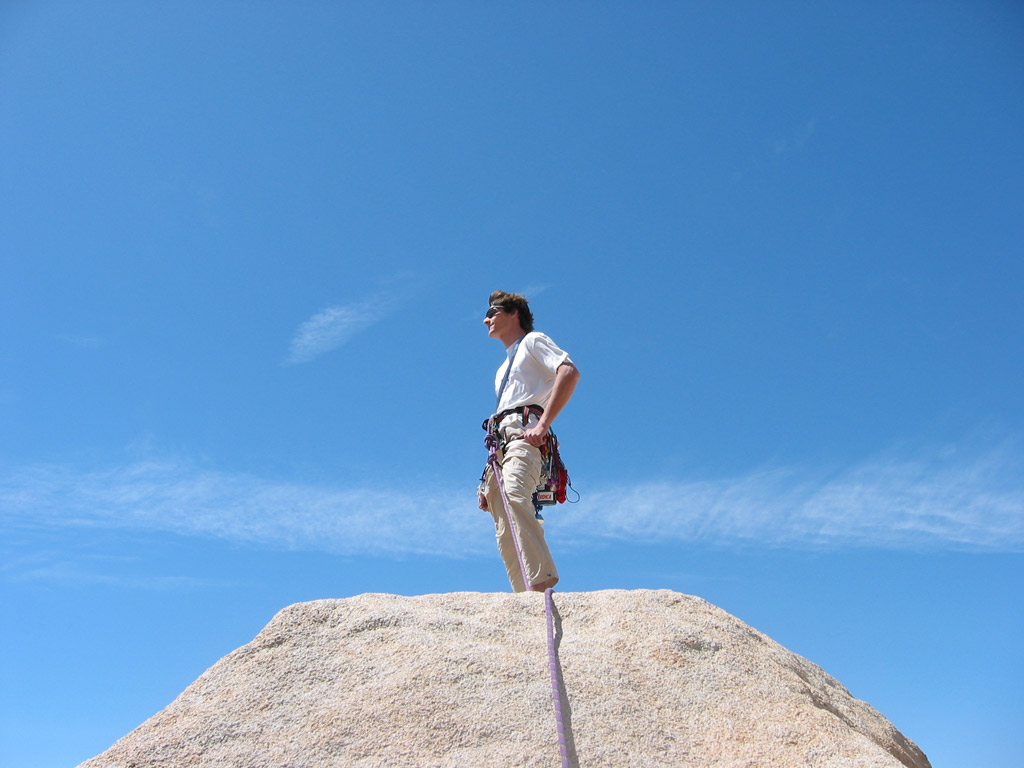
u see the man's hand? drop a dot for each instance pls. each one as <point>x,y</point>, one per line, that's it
<point>537,434</point>
<point>481,501</point>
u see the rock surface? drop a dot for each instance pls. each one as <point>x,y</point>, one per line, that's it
<point>651,678</point>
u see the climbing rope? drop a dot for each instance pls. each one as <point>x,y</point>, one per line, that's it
<point>556,679</point>
<point>491,443</point>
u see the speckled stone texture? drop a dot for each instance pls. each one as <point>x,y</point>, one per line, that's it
<point>651,678</point>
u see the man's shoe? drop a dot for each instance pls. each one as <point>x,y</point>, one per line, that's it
<point>544,586</point>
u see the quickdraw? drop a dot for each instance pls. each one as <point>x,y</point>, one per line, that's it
<point>554,477</point>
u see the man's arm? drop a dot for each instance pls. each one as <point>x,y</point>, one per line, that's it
<point>565,384</point>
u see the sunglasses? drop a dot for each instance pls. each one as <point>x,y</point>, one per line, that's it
<point>492,311</point>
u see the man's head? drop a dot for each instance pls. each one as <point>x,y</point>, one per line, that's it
<point>513,303</point>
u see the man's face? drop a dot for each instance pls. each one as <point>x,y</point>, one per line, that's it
<point>499,322</point>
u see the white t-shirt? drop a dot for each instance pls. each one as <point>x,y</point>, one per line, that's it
<point>533,372</point>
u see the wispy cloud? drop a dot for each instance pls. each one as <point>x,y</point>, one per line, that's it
<point>532,291</point>
<point>930,501</point>
<point>70,571</point>
<point>797,141</point>
<point>927,501</point>
<point>81,340</point>
<point>331,327</point>
<point>179,498</point>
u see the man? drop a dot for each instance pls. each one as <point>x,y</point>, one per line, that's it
<point>532,386</point>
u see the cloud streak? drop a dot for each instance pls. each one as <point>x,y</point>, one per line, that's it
<point>331,327</point>
<point>928,502</point>
<point>178,498</point>
<point>797,141</point>
<point>71,571</point>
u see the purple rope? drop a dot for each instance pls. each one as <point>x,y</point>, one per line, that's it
<point>556,682</point>
<point>491,442</point>
<point>492,449</point>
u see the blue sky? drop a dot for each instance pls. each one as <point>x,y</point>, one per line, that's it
<point>245,251</point>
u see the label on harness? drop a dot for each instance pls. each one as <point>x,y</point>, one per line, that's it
<point>545,498</point>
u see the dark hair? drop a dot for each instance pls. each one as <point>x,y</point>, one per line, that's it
<point>513,302</point>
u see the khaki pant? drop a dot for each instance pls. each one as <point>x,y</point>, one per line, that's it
<point>520,472</point>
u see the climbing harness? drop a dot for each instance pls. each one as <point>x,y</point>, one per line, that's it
<point>554,483</point>
<point>491,442</point>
